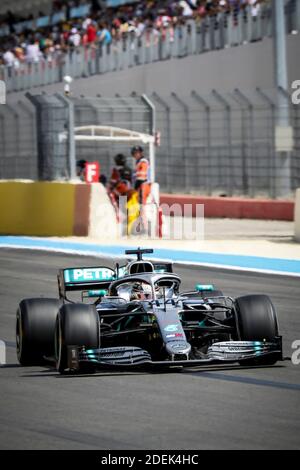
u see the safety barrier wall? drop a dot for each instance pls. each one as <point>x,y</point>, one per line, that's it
<point>77,209</point>
<point>52,209</point>
<point>236,208</point>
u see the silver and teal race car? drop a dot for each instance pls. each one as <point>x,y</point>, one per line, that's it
<point>134,316</point>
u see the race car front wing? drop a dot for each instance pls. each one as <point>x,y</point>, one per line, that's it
<point>134,357</point>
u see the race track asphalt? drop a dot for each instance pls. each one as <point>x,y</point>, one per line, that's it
<point>225,408</point>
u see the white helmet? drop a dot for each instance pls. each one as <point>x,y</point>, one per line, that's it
<point>141,291</point>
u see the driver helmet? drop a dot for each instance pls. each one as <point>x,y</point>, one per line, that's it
<point>141,291</point>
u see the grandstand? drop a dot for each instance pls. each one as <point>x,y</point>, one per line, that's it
<point>107,40</point>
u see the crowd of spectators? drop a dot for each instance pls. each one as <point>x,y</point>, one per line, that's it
<point>105,25</point>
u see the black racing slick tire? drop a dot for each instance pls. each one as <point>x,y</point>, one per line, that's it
<point>256,321</point>
<point>35,327</point>
<point>76,325</point>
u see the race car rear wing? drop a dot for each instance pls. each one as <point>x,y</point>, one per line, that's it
<point>83,278</point>
<point>100,277</point>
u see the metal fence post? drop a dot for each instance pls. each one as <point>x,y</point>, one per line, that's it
<point>283,161</point>
<point>193,39</point>
<point>227,130</point>
<point>206,32</point>
<point>110,108</point>
<point>230,32</point>
<point>272,107</point>
<point>185,108</point>
<point>31,114</point>
<point>200,37</point>
<point>242,100</point>
<point>212,25</point>
<point>16,135</point>
<point>37,106</point>
<point>186,145</point>
<point>219,32</point>
<point>152,125</point>
<point>174,46</point>
<point>182,36</point>
<point>71,134</point>
<point>151,107</point>
<point>168,138</point>
<point>206,106</point>
<point>128,106</point>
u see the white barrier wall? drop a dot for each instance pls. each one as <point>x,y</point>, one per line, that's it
<point>102,220</point>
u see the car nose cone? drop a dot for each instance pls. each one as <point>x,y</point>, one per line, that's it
<point>178,347</point>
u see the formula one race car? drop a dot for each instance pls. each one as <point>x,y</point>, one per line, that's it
<point>135,316</point>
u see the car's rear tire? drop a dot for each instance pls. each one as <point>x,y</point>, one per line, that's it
<point>35,327</point>
<point>256,321</point>
<point>76,325</point>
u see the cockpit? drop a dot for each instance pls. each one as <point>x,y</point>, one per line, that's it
<point>142,290</point>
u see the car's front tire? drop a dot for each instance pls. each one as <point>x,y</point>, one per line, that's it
<point>256,321</point>
<point>35,327</point>
<point>76,325</point>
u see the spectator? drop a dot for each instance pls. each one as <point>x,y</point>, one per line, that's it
<point>86,23</point>
<point>104,34</point>
<point>186,8</point>
<point>33,52</point>
<point>91,33</point>
<point>9,58</point>
<point>103,25</point>
<point>75,38</point>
